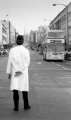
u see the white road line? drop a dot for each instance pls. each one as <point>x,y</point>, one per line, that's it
<point>58,65</point>
<point>67,75</point>
<point>68,63</point>
<point>68,90</point>
<point>64,68</point>
<point>64,77</point>
<point>1,87</point>
<point>39,62</point>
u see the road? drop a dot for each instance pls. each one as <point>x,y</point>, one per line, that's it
<point>50,91</point>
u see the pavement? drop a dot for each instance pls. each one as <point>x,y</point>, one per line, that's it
<point>49,96</point>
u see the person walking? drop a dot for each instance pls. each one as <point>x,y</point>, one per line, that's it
<point>17,70</point>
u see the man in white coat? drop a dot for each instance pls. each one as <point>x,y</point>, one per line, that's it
<point>17,70</point>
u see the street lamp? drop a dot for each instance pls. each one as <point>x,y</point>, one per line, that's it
<point>67,37</point>
<point>59,4</point>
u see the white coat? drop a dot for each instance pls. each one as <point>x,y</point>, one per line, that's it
<point>19,60</point>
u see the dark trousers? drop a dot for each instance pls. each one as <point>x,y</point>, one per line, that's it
<point>16,98</point>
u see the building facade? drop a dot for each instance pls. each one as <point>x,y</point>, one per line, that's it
<point>33,37</point>
<point>3,32</point>
<point>7,33</point>
<point>63,21</point>
<point>12,34</point>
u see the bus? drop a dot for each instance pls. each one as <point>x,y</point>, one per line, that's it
<point>54,45</point>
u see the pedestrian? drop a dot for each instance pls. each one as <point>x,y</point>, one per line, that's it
<point>17,70</point>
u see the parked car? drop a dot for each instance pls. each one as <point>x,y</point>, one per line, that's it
<point>3,52</point>
<point>68,55</point>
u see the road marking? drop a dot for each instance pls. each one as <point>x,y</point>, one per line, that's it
<point>64,68</point>
<point>36,74</point>
<point>1,87</point>
<point>39,63</point>
<point>68,63</point>
<point>58,65</point>
<point>65,77</point>
<point>68,90</point>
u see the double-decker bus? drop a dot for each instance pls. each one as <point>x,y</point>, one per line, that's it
<point>54,46</point>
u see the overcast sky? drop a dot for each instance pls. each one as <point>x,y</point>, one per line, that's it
<point>29,14</point>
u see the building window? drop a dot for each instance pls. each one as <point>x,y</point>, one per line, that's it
<point>3,38</point>
<point>58,24</point>
<point>4,30</point>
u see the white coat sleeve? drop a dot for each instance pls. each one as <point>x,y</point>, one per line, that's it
<point>8,71</point>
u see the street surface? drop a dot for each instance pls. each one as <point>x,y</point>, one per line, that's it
<point>50,91</point>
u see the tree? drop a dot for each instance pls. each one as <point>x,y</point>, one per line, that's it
<point>43,33</point>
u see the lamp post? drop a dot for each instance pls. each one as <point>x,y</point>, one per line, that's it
<point>67,36</point>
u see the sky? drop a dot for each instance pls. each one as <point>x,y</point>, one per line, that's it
<point>26,15</point>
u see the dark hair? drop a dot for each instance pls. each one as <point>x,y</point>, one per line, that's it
<point>20,40</point>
